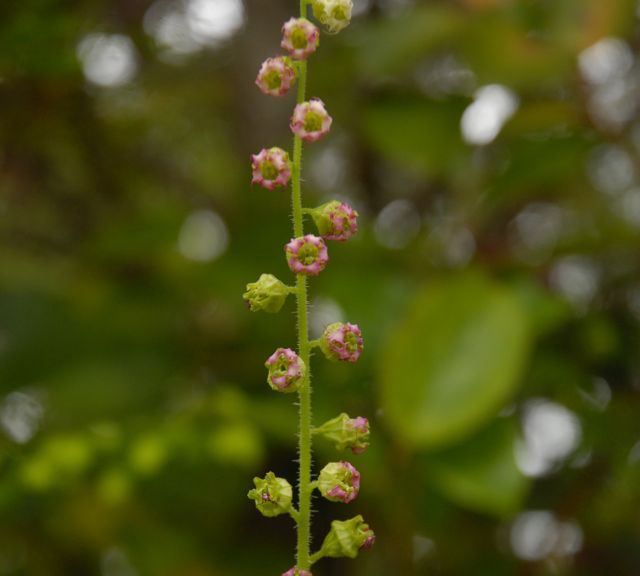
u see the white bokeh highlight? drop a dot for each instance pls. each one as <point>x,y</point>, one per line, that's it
<point>182,28</point>
<point>20,415</point>
<point>551,433</point>
<point>203,236</point>
<point>397,224</point>
<point>108,60</point>
<point>537,534</point>
<point>483,119</point>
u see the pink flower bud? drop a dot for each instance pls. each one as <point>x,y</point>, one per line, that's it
<point>342,342</point>
<point>310,120</point>
<point>300,38</point>
<point>307,255</point>
<point>296,572</point>
<point>286,370</point>
<point>276,76</point>
<point>360,426</point>
<point>339,482</point>
<point>369,542</point>
<point>335,220</point>
<point>271,168</point>
<point>346,432</point>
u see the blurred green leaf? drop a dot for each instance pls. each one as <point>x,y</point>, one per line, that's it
<point>416,132</point>
<point>453,360</point>
<point>395,45</point>
<point>481,473</point>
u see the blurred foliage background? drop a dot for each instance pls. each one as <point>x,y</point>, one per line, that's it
<point>491,148</point>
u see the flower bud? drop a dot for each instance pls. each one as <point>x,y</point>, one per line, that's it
<point>307,255</point>
<point>276,76</point>
<point>347,432</point>
<point>339,482</point>
<point>272,495</point>
<point>271,168</point>
<point>347,537</point>
<point>333,14</point>
<point>335,220</point>
<point>300,38</point>
<point>310,120</point>
<point>342,342</point>
<point>267,294</point>
<point>297,572</point>
<point>286,370</point>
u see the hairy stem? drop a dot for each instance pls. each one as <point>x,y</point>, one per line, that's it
<point>304,434</point>
<point>316,556</point>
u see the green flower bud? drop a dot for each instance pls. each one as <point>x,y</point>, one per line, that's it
<point>333,14</point>
<point>272,495</point>
<point>347,432</point>
<point>339,482</point>
<point>347,537</point>
<point>267,294</point>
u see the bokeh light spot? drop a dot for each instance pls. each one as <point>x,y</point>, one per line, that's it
<point>107,60</point>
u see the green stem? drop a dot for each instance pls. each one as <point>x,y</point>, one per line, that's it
<point>294,514</point>
<point>315,557</point>
<point>304,436</point>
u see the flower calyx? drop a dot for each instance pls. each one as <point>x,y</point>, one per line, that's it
<point>334,15</point>
<point>342,341</point>
<point>295,571</point>
<point>271,168</point>
<point>267,294</point>
<point>339,482</point>
<point>300,38</point>
<point>335,220</point>
<point>346,432</point>
<point>272,495</point>
<point>286,370</point>
<point>307,255</point>
<point>276,76</point>
<point>310,120</point>
<point>346,538</point>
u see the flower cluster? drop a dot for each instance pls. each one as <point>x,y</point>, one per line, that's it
<point>307,255</point>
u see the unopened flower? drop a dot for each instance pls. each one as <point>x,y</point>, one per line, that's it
<point>339,482</point>
<point>342,342</point>
<point>286,370</point>
<point>300,38</point>
<point>297,572</point>
<point>335,220</point>
<point>307,255</point>
<point>276,76</point>
<point>347,537</point>
<point>271,168</point>
<point>268,294</point>
<point>347,432</point>
<point>310,120</point>
<point>333,14</point>
<point>272,495</point>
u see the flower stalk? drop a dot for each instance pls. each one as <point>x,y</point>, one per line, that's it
<point>307,255</point>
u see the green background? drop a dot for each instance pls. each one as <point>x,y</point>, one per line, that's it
<point>495,278</point>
